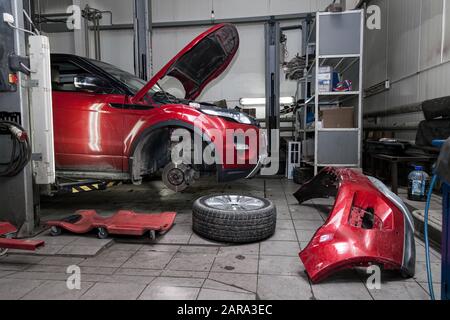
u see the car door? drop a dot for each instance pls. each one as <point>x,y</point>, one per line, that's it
<point>88,126</point>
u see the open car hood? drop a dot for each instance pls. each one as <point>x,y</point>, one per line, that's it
<point>200,62</point>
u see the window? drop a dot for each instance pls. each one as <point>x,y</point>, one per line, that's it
<point>63,74</point>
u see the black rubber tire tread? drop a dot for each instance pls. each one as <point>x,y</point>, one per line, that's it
<point>234,227</point>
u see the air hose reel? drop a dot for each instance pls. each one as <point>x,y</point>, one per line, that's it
<point>21,152</point>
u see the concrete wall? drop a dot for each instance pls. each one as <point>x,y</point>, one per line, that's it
<point>412,50</point>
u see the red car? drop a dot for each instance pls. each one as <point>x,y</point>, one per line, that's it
<point>111,125</point>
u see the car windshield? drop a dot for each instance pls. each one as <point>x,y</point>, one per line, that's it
<point>130,80</point>
<point>156,94</point>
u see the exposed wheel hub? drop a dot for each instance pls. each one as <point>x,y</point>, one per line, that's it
<point>178,177</point>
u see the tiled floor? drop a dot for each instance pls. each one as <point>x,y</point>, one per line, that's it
<point>181,265</point>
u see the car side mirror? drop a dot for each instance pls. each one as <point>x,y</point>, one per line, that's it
<point>92,84</point>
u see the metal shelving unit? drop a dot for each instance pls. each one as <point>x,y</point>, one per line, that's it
<point>338,42</point>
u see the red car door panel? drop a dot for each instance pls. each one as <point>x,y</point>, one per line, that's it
<point>88,131</point>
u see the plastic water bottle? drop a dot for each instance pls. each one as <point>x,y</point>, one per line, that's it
<point>418,184</point>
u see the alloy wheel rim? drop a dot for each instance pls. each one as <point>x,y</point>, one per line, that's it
<point>234,203</point>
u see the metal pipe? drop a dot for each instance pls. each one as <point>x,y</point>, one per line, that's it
<point>294,27</point>
<point>410,108</point>
<point>202,23</point>
<point>392,128</point>
<point>86,38</point>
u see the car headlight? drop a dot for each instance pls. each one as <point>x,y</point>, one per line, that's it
<point>228,114</point>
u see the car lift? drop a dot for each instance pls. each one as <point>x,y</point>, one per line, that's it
<point>7,232</point>
<point>18,204</point>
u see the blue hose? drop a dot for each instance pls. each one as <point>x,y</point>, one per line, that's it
<point>427,241</point>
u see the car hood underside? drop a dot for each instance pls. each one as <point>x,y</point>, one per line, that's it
<point>200,62</point>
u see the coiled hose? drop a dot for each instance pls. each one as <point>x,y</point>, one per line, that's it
<point>20,150</point>
<point>427,241</point>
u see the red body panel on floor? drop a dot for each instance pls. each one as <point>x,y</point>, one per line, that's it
<point>365,227</point>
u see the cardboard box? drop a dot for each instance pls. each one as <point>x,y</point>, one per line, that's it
<point>338,118</point>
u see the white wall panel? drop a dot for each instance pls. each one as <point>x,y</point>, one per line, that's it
<point>238,8</point>
<point>180,10</point>
<point>404,35</point>
<point>446,48</point>
<point>415,51</point>
<point>62,42</point>
<point>117,49</point>
<point>375,50</point>
<point>376,103</point>
<point>53,6</point>
<point>289,6</point>
<point>435,83</point>
<point>431,33</point>
<point>122,10</point>
<point>404,92</point>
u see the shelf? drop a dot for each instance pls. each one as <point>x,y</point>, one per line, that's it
<point>309,162</point>
<point>331,98</point>
<point>352,165</point>
<point>339,130</point>
<point>336,93</point>
<point>341,64</point>
<point>339,56</point>
<point>344,55</point>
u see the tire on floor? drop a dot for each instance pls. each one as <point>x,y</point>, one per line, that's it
<point>234,219</point>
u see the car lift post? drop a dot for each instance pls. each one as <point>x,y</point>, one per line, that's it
<point>18,204</point>
<point>142,38</point>
<point>272,43</point>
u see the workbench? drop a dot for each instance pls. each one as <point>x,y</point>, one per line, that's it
<point>394,162</point>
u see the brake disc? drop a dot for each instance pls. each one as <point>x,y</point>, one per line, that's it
<point>178,177</point>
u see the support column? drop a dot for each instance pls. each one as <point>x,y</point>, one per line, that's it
<point>81,35</point>
<point>142,38</point>
<point>272,38</point>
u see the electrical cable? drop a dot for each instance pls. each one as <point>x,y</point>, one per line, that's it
<point>25,67</point>
<point>21,29</point>
<point>20,150</point>
<point>427,241</point>
<point>31,22</point>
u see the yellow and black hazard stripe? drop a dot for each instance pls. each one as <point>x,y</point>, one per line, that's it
<point>113,184</point>
<point>88,187</point>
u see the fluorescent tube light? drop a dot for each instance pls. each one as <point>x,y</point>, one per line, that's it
<point>262,101</point>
